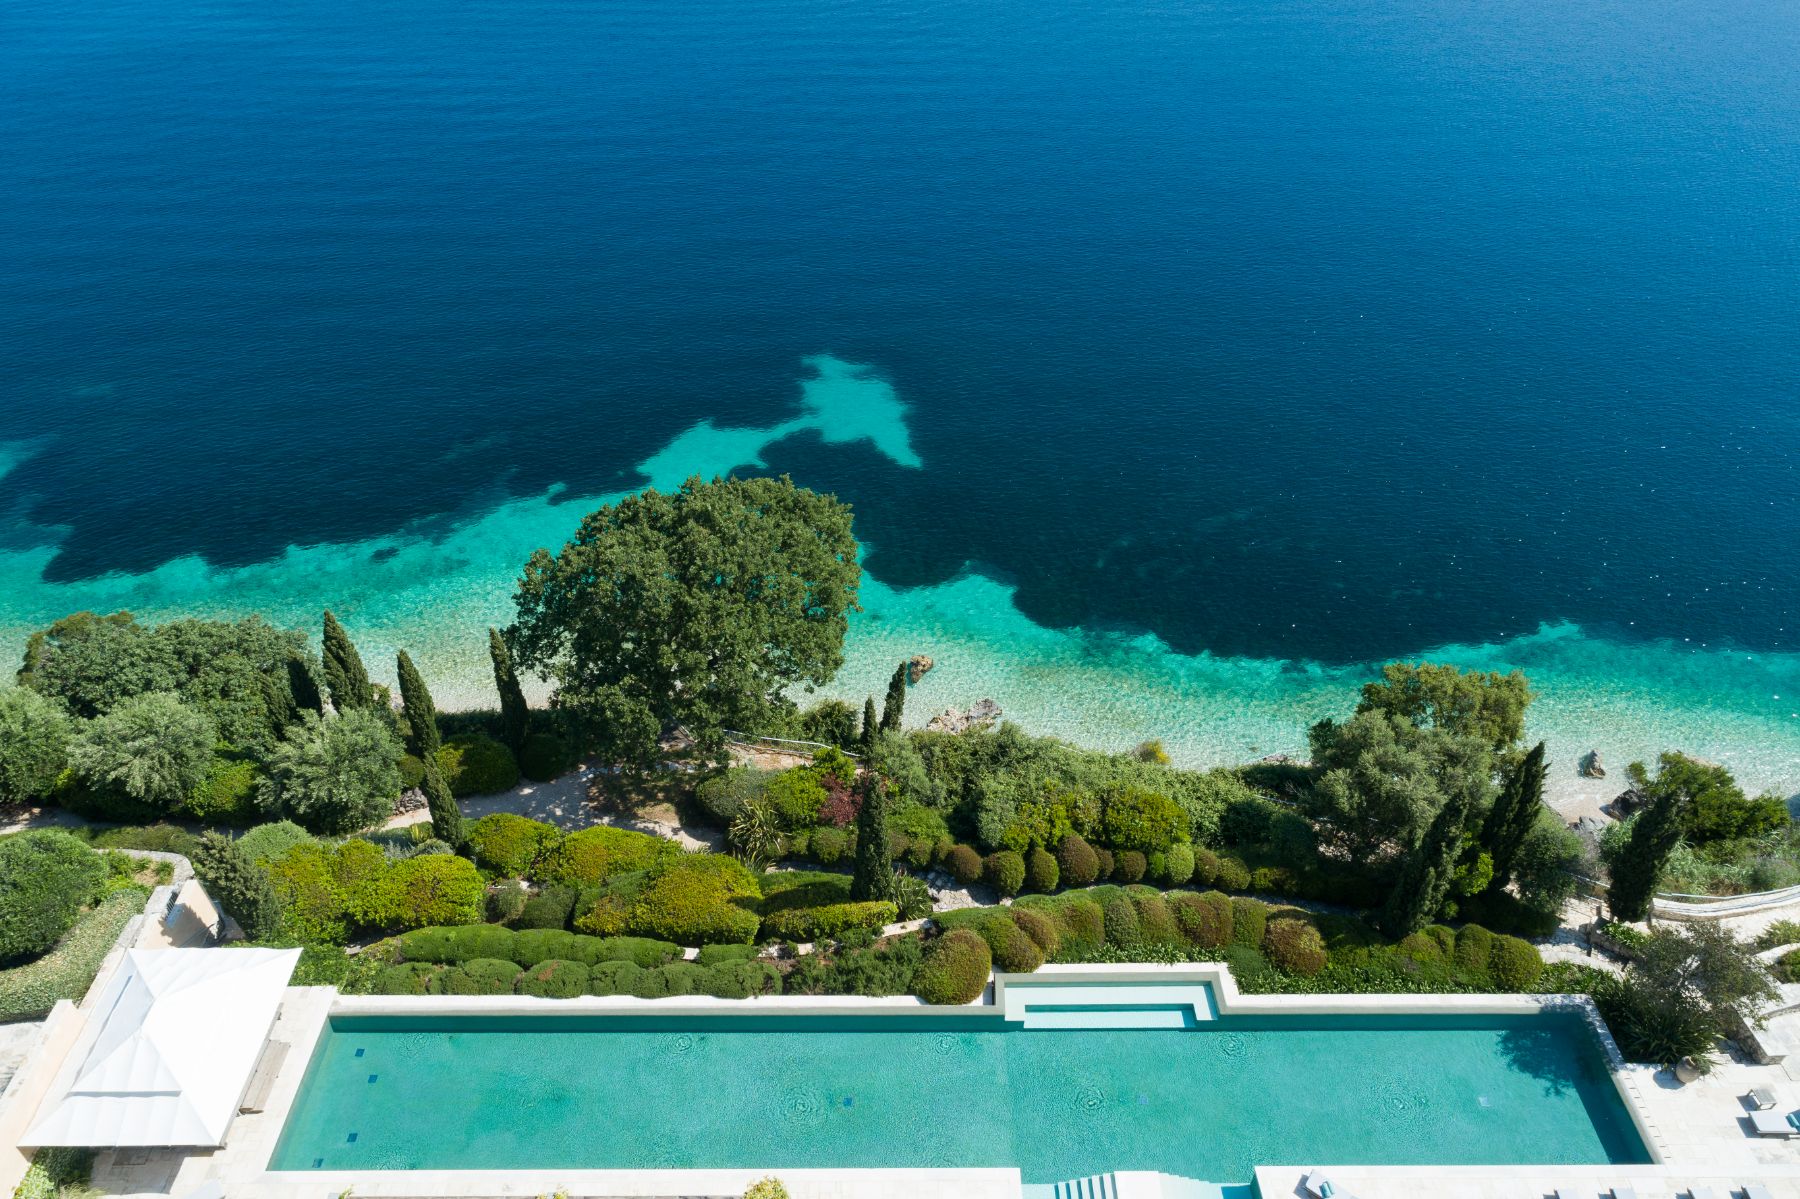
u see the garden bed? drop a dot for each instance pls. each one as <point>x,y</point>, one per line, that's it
<point>31,990</point>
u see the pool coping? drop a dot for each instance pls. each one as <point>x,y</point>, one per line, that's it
<point>999,1183</point>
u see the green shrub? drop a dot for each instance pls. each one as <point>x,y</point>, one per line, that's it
<point>412,773</point>
<point>964,865</point>
<point>643,951</point>
<point>47,877</point>
<point>512,846</point>
<point>227,795</point>
<point>1423,950</point>
<point>506,903</point>
<point>1474,946</point>
<point>1205,920</point>
<point>954,969</point>
<point>1138,819</point>
<point>1781,932</point>
<point>460,944</point>
<point>613,978</point>
<point>1514,964</point>
<point>549,908</point>
<point>417,892</point>
<point>552,979</point>
<point>740,980</point>
<point>796,796</point>
<point>1249,920</point>
<point>1206,868</point>
<point>1004,872</point>
<point>783,889</point>
<point>410,978</point>
<point>1233,875</point>
<point>35,733</point>
<point>477,765</point>
<point>1104,864</point>
<point>1040,928</point>
<point>1129,866</point>
<point>1294,946</point>
<point>481,976</point>
<point>533,945</point>
<point>66,972</point>
<point>814,924</point>
<point>266,842</point>
<point>1178,865</point>
<point>163,838</point>
<point>1080,926</point>
<point>677,978</point>
<point>545,756</point>
<point>1041,872</point>
<point>698,899</point>
<point>1122,931</point>
<point>712,955</point>
<point>595,854</point>
<point>1156,923</point>
<point>1014,952</point>
<point>723,796</point>
<point>1075,861</point>
<point>828,845</point>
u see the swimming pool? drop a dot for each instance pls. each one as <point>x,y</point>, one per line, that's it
<point>1210,1099</point>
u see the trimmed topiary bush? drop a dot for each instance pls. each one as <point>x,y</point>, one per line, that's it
<point>510,845</point>
<point>506,902</point>
<point>644,951</point>
<point>1249,920</point>
<point>595,854</point>
<point>477,765</point>
<point>1041,872</point>
<point>613,978</point>
<point>1474,948</point>
<point>1076,863</point>
<point>1422,949</point>
<point>713,955</point>
<point>964,865</point>
<point>1294,946</point>
<point>1178,865</point>
<point>1204,920</point>
<point>480,976</point>
<point>1040,928</point>
<point>1156,924</point>
<point>1004,872</point>
<point>1514,964</point>
<point>460,944</point>
<point>1120,915</point>
<point>833,920</point>
<point>1129,866</point>
<point>677,978</point>
<point>1103,859</point>
<point>740,980</point>
<point>954,969</point>
<point>553,978</point>
<point>698,899</point>
<point>1233,875</point>
<point>47,877</point>
<point>409,978</point>
<point>1080,926</point>
<point>1206,868</point>
<point>1013,951</point>
<point>828,845</point>
<point>266,842</point>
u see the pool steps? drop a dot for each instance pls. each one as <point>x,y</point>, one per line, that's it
<point>1091,1005</point>
<point>1136,1184</point>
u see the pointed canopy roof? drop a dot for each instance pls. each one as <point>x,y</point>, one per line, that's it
<point>167,1049</point>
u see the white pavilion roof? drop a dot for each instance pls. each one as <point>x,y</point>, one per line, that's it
<point>167,1049</point>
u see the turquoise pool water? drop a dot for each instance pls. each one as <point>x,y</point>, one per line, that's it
<point>1209,1101</point>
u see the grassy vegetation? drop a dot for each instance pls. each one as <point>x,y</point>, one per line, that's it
<point>30,990</point>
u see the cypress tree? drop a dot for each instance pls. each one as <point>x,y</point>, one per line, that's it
<point>422,738</point>
<point>303,686</point>
<point>873,877</point>
<point>1511,818</point>
<point>895,704</point>
<point>344,673</point>
<point>239,886</point>
<point>869,724</point>
<point>446,816</point>
<point>1640,862</point>
<point>1426,877</point>
<point>515,713</point>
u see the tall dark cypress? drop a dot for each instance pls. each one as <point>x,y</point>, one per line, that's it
<point>446,815</point>
<point>238,885</point>
<point>422,738</point>
<point>1510,820</point>
<point>515,713</point>
<point>303,686</point>
<point>873,876</point>
<point>869,724</point>
<point>344,673</point>
<point>1640,862</point>
<point>1426,877</point>
<point>894,706</point>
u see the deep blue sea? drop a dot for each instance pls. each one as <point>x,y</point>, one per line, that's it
<point>1180,359</point>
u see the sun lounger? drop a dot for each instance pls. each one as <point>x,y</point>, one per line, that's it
<point>1757,1191</point>
<point>1702,1193</point>
<point>1623,1193</point>
<point>1774,1124</point>
<point>1760,1098</point>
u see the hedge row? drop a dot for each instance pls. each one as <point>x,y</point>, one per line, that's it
<point>528,947</point>
<point>560,978</point>
<point>68,970</point>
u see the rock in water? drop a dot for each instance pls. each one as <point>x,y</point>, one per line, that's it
<point>954,720</point>
<point>1591,767</point>
<point>917,666</point>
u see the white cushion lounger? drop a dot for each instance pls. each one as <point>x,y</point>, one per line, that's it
<point>1773,1124</point>
<point>1623,1193</point>
<point>1757,1191</point>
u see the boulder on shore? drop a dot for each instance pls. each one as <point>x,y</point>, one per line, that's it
<point>1590,765</point>
<point>917,666</point>
<point>980,714</point>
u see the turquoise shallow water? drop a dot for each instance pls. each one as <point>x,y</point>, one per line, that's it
<point>1209,1102</point>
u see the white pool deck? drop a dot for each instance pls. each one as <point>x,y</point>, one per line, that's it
<point>1697,1133</point>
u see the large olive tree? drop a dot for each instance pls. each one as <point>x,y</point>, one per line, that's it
<point>698,607</point>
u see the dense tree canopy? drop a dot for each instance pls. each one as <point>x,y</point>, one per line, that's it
<point>242,675</point>
<point>698,607</point>
<point>147,754</point>
<point>34,744</point>
<point>1485,705</point>
<point>46,877</point>
<point>1713,806</point>
<point>1383,779</point>
<point>335,774</point>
